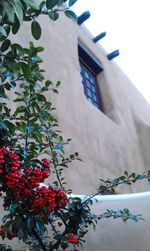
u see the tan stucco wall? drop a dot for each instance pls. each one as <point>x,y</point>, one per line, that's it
<point>108,142</point>
<point>115,235</point>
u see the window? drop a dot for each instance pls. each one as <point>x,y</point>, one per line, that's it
<point>89,68</point>
<point>90,85</point>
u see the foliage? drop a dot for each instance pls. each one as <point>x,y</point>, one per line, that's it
<point>32,147</point>
<point>13,13</point>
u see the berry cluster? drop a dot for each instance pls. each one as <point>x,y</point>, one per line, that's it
<point>2,160</point>
<point>9,161</point>
<point>73,239</point>
<point>45,163</point>
<point>49,198</point>
<point>13,176</point>
<point>23,186</point>
<point>22,181</point>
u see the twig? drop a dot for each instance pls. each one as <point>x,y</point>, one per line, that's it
<point>39,240</point>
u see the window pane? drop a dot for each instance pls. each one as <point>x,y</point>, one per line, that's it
<point>91,80</point>
<point>93,88</point>
<point>89,93</point>
<point>87,75</point>
<point>89,84</point>
<point>94,97</point>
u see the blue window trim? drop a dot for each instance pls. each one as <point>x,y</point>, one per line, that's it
<point>90,60</point>
<point>89,64</point>
<point>93,93</point>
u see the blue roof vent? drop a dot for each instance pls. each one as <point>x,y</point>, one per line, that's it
<point>100,36</point>
<point>113,54</point>
<point>83,17</point>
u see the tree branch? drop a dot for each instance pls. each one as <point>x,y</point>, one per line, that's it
<point>39,240</point>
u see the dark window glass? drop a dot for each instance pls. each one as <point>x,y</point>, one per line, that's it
<point>90,85</point>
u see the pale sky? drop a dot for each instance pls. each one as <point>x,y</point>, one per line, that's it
<point>127,23</point>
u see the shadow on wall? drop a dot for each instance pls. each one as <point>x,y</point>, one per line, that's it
<point>143,132</point>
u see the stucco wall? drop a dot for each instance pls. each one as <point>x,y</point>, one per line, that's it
<point>115,235</point>
<point>108,142</point>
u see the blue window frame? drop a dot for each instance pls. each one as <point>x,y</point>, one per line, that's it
<point>89,68</point>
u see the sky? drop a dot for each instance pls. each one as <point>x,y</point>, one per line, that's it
<point>127,23</point>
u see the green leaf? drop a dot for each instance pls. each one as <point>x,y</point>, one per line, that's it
<point>126,173</point>
<point>13,207</point>
<point>39,49</point>
<point>72,2</point>
<point>48,83</point>
<point>18,8</point>
<point>2,38</point>
<point>3,124</point>
<point>41,97</point>
<point>18,49</point>
<point>60,2</point>
<point>58,83</point>
<point>8,11</point>
<point>20,109</point>
<point>27,248</point>
<point>3,32</point>
<point>72,156</point>
<point>42,4</point>
<point>5,45</point>
<point>77,200</point>
<point>29,129</point>
<point>55,91</point>
<point>5,218</point>
<point>51,3</point>
<point>15,27</point>
<point>36,30</point>
<point>56,183</point>
<point>53,15</point>
<point>7,29</point>
<point>38,226</point>
<point>25,69</point>
<point>9,125</point>
<point>20,233</point>
<point>29,222</point>
<point>71,15</point>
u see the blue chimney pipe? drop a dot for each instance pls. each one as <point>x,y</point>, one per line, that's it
<point>113,54</point>
<point>100,36</point>
<point>83,17</point>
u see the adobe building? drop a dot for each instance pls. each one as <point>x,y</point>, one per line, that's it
<point>103,113</point>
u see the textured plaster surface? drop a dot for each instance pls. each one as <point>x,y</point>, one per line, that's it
<point>115,235</point>
<point>109,142</point>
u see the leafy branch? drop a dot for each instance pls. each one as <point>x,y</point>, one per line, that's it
<point>32,147</point>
